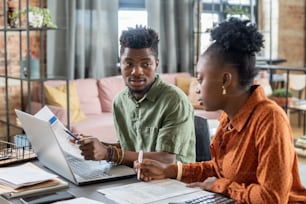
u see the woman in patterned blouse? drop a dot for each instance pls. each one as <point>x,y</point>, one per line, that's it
<point>253,157</point>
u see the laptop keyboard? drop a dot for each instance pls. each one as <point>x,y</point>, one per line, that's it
<point>88,169</point>
<point>206,199</point>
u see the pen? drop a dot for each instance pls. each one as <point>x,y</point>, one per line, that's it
<point>140,156</point>
<point>71,134</point>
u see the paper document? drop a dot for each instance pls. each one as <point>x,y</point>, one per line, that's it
<point>147,192</point>
<point>59,129</point>
<point>80,200</point>
<point>24,175</point>
<point>50,185</point>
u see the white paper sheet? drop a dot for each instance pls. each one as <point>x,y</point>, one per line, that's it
<point>80,200</point>
<point>23,175</point>
<point>147,192</point>
<point>63,138</point>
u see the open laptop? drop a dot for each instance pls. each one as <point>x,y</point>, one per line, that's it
<point>61,159</point>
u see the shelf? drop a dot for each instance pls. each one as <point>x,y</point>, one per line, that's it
<point>18,42</point>
<point>29,29</point>
<point>18,77</point>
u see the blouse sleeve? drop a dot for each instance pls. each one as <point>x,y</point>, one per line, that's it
<point>198,171</point>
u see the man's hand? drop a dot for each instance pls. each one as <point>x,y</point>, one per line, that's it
<point>92,148</point>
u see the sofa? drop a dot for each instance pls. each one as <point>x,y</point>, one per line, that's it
<point>91,102</point>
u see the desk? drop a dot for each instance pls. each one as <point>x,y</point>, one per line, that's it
<point>90,191</point>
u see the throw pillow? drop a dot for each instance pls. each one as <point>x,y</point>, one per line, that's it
<point>183,83</point>
<point>194,95</point>
<point>57,96</point>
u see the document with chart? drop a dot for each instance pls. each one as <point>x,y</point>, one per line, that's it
<point>59,129</point>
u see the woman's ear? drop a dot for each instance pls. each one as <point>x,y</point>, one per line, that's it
<point>227,79</point>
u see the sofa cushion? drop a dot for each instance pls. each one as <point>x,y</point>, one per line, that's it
<point>109,87</point>
<point>89,96</point>
<point>57,96</point>
<point>97,125</point>
<point>171,77</point>
<point>183,83</point>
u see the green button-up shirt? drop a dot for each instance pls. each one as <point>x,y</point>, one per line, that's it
<point>163,120</point>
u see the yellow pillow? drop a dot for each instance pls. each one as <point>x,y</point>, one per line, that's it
<point>193,95</point>
<point>183,83</point>
<point>57,96</point>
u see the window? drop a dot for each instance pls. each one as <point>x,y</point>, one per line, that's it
<point>211,12</point>
<point>131,13</point>
<point>130,18</point>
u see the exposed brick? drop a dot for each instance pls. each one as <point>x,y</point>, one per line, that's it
<point>292,32</point>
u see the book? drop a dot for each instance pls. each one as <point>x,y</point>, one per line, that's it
<point>300,146</point>
<point>38,187</point>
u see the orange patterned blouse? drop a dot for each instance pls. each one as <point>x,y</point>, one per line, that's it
<point>254,160</point>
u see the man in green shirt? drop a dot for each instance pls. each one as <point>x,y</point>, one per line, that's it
<point>149,115</point>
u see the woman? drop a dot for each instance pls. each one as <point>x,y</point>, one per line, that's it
<point>253,157</point>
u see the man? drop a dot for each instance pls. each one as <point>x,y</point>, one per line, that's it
<point>149,115</point>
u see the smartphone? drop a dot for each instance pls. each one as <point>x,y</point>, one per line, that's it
<point>47,198</point>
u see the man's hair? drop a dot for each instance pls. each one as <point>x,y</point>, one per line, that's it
<point>138,38</point>
<point>235,42</point>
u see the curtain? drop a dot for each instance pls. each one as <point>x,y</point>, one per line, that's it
<point>86,46</point>
<point>173,20</point>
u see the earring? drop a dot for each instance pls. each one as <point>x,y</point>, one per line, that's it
<point>223,90</point>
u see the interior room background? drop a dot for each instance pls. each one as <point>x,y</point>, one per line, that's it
<point>86,45</point>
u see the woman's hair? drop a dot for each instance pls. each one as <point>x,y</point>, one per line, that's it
<point>139,37</point>
<point>235,42</point>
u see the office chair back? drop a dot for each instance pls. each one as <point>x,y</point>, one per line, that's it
<point>202,139</point>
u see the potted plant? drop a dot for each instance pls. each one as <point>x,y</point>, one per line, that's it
<point>280,95</point>
<point>38,17</point>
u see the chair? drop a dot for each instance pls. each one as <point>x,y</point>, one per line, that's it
<point>297,83</point>
<point>202,139</point>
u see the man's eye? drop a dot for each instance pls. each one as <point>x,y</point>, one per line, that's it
<point>199,79</point>
<point>145,65</point>
<point>128,64</point>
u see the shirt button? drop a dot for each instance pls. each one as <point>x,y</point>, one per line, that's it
<point>137,105</point>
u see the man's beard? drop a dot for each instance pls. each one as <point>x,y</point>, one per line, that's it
<point>143,91</point>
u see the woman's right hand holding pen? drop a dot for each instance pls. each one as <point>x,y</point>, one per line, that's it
<point>155,170</point>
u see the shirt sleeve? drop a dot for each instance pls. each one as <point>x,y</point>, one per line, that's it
<point>198,171</point>
<point>177,133</point>
<point>275,163</point>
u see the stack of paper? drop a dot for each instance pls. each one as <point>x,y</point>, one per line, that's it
<point>25,175</point>
<point>300,146</point>
<point>28,179</point>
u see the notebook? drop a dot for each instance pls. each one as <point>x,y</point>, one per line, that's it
<point>54,151</point>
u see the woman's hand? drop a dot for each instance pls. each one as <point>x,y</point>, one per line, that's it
<point>207,184</point>
<point>154,170</point>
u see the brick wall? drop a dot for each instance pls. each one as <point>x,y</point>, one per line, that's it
<point>14,54</point>
<point>292,32</point>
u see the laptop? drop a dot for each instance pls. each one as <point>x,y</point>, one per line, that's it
<point>56,153</point>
